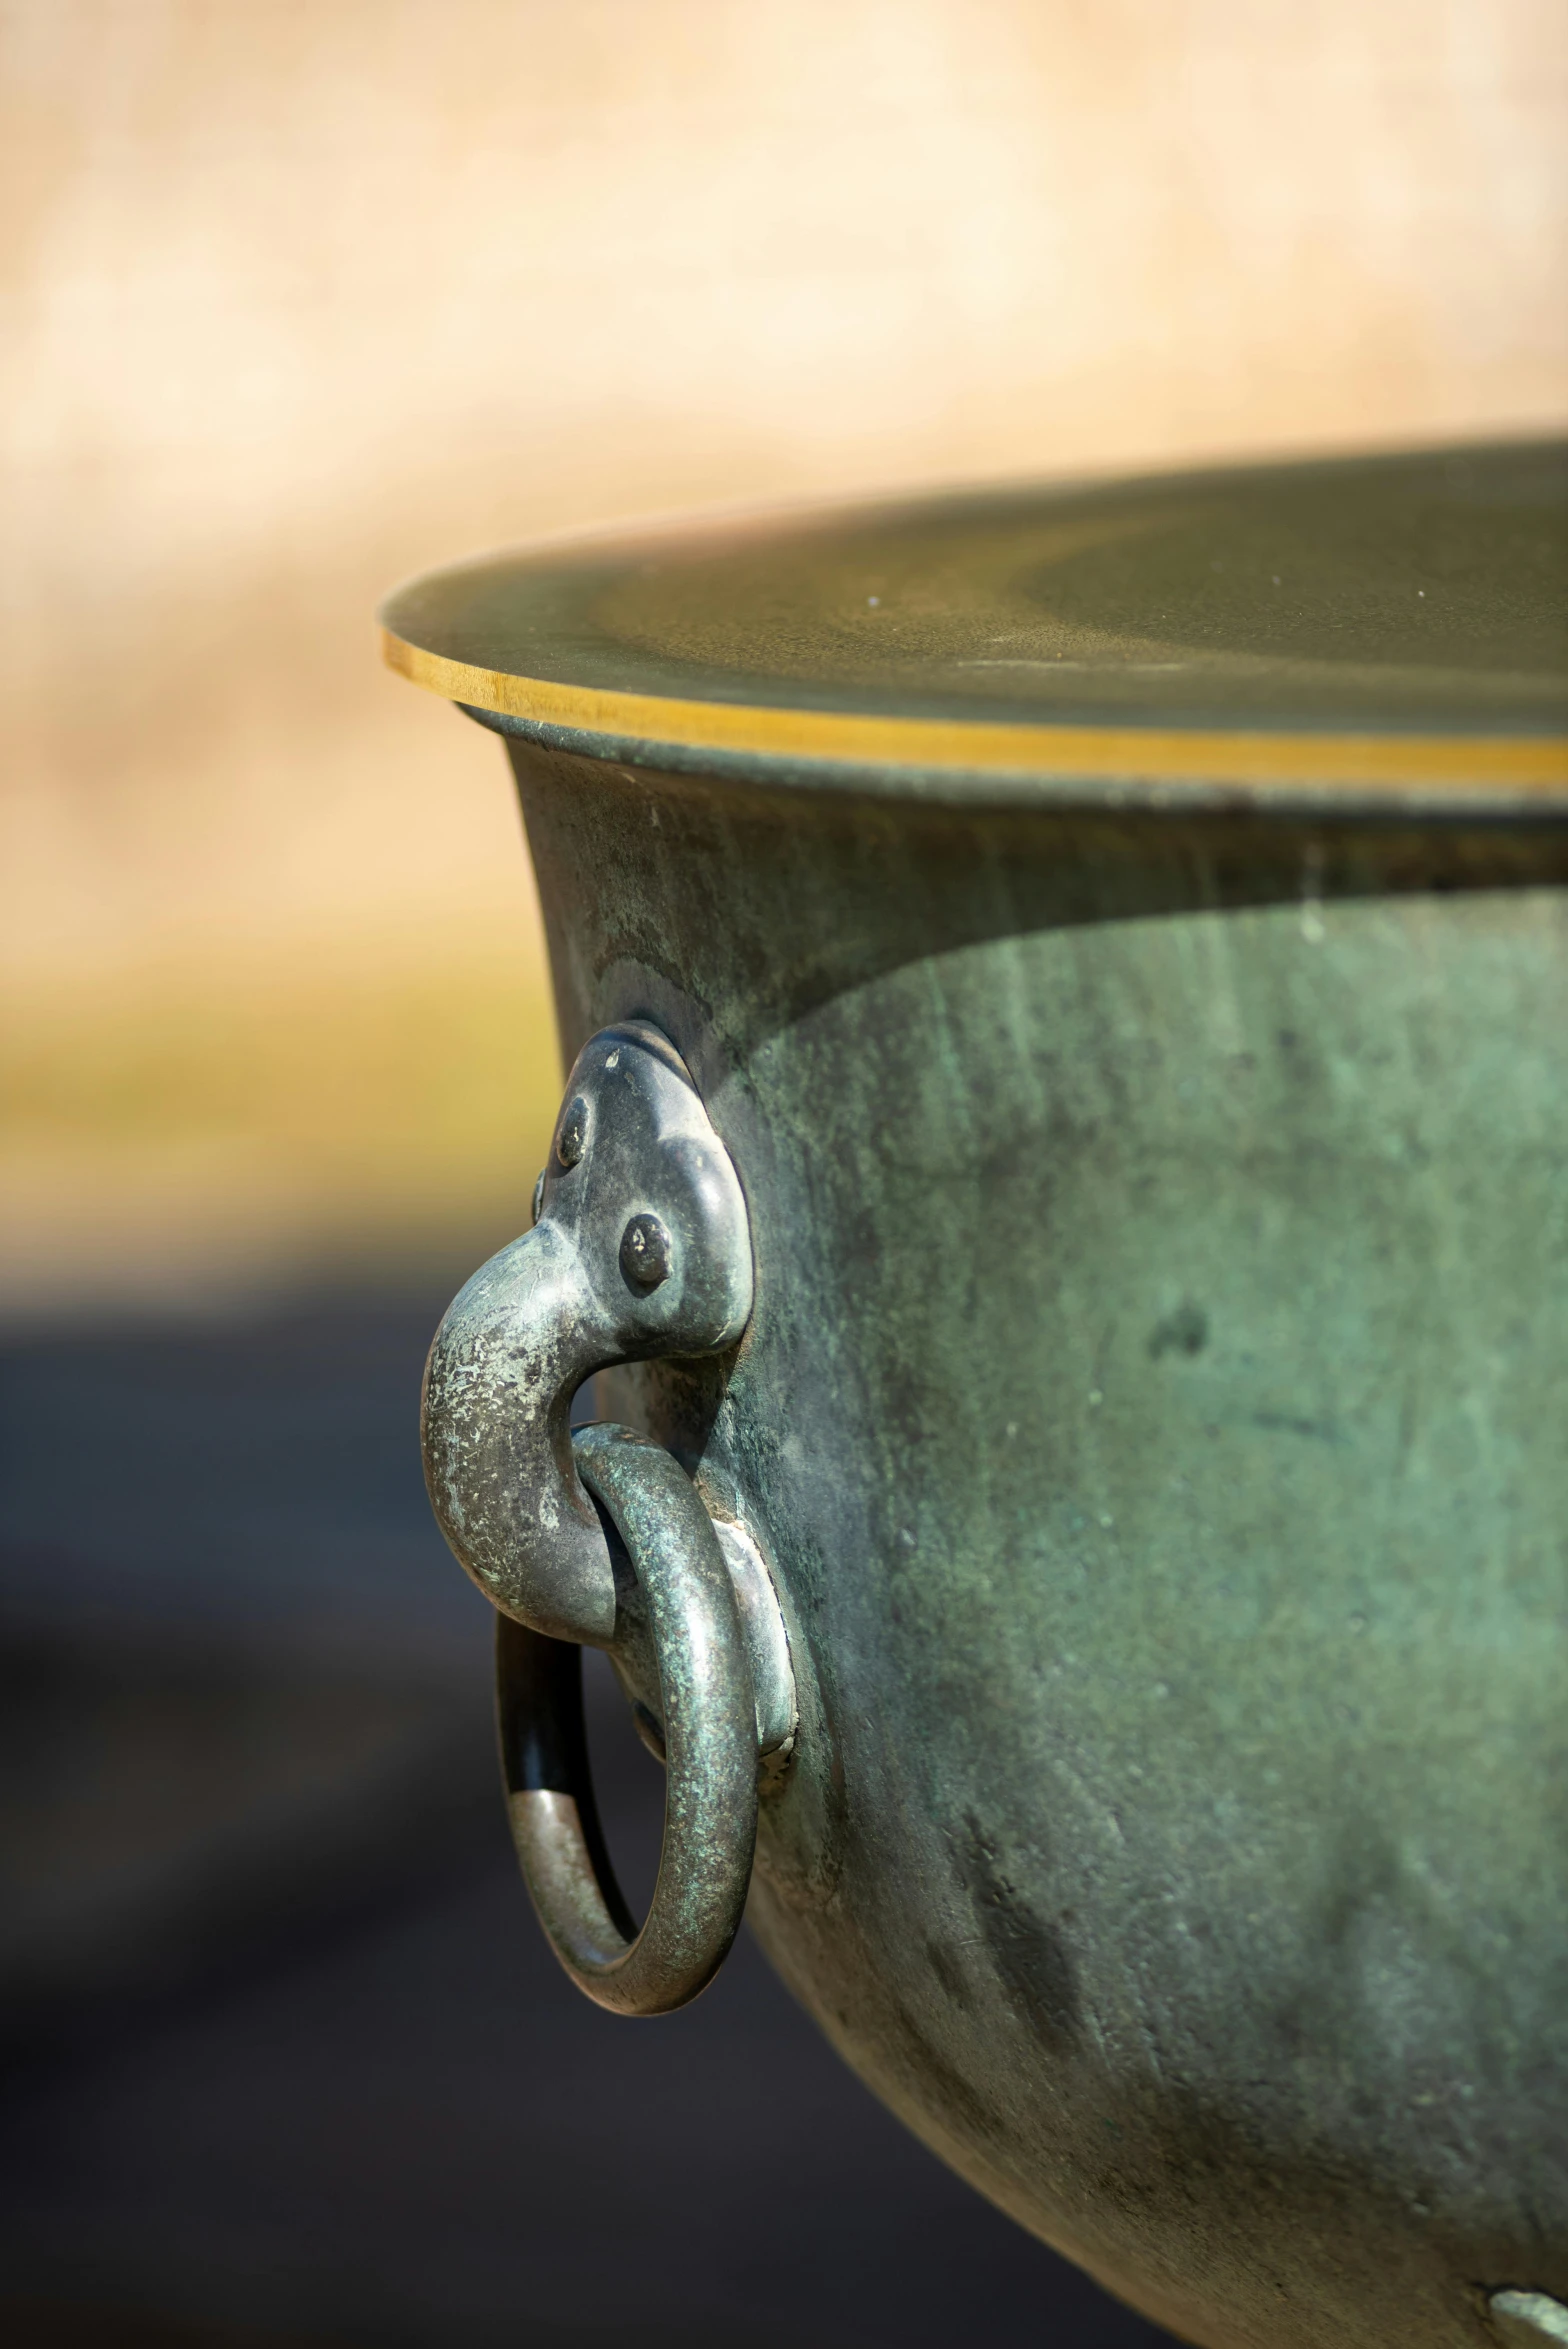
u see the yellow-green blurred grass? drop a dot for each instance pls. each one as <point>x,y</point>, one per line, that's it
<point>192,1132</point>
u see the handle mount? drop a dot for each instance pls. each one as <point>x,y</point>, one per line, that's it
<point>640,1247</point>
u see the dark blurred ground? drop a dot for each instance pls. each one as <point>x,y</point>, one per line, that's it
<point>286,2060</point>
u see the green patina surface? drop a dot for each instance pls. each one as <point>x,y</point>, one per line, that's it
<point>1155,1401</point>
<point>1155,1405</point>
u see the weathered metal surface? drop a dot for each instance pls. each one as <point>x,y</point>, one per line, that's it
<point>707,1728</point>
<point>639,1246</point>
<point>1528,2320</point>
<point>1154,1403</point>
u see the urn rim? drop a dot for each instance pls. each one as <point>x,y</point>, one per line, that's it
<point>1120,643</point>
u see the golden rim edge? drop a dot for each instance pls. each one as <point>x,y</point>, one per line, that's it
<point>1532,767</point>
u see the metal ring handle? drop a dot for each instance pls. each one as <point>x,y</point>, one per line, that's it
<point>710,1730</point>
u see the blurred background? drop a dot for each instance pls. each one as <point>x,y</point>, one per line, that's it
<point>298,297</point>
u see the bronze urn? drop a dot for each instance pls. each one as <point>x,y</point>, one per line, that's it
<point>1063,1189</point>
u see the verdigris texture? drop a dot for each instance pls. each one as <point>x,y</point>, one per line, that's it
<point>1120,941</point>
<point>1155,1398</point>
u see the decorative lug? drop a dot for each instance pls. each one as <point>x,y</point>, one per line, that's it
<point>640,1247</point>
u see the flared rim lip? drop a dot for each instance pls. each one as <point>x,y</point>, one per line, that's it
<point>1474,767</point>
<point>970,760</point>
